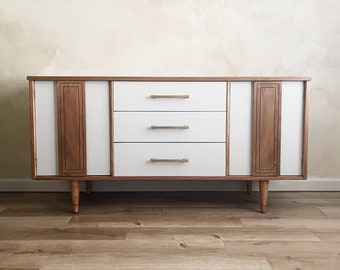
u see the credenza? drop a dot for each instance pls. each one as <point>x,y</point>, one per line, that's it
<point>168,128</point>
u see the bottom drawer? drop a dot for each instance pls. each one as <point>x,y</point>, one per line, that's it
<point>169,159</point>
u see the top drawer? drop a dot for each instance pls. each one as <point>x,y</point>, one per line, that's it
<point>169,96</point>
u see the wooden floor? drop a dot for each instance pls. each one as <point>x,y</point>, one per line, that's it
<point>176,230</point>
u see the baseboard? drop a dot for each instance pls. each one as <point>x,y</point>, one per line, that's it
<point>27,185</point>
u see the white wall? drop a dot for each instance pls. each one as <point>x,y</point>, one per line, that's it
<point>170,38</point>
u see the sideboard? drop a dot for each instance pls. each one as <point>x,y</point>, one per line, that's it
<point>168,128</point>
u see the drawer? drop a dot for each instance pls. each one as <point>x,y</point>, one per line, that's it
<point>169,159</point>
<point>169,126</point>
<point>169,96</point>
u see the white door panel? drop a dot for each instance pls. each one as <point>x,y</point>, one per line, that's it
<point>97,127</point>
<point>241,111</point>
<point>292,128</point>
<point>46,128</point>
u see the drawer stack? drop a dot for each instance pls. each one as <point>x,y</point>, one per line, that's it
<point>169,128</point>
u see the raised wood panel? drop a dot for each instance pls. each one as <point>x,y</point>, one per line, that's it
<point>71,128</point>
<point>266,128</point>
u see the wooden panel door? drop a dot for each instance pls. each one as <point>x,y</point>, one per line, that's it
<point>241,110</point>
<point>266,128</point>
<point>71,128</point>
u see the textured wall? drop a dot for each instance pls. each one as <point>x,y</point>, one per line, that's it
<point>170,38</point>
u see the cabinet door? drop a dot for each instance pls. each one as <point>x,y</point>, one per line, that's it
<point>266,128</point>
<point>71,128</point>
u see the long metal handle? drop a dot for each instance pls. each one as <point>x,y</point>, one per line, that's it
<point>170,96</point>
<point>181,160</point>
<point>169,127</point>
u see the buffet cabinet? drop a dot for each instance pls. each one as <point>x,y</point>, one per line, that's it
<point>169,128</point>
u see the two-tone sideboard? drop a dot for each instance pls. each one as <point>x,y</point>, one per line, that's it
<point>168,128</point>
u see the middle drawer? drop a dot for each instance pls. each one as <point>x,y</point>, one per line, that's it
<point>169,126</point>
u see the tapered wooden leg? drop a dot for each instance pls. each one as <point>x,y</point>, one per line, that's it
<point>88,187</point>
<point>263,195</point>
<point>249,186</point>
<point>75,195</point>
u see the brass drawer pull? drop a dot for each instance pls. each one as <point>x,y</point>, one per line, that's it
<point>170,127</point>
<point>181,160</point>
<point>170,96</point>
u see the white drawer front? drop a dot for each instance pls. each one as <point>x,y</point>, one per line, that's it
<point>169,96</point>
<point>200,159</point>
<point>169,126</point>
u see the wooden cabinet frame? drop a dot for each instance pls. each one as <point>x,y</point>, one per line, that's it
<point>263,176</point>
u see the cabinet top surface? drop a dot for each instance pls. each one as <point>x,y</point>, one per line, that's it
<point>117,78</point>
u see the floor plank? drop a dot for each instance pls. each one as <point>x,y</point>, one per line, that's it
<point>130,261</point>
<point>170,230</point>
<point>308,223</point>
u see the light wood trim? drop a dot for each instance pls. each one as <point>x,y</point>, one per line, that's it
<point>198,79</point>
<point>263,185</point>
<point>170,178</point>
<point>267,103</point>
<point>71,128</point>
<point>305,131</point>
<point>32,129</point>
<point>227,142</point>
<point>75,190</point>
<point>111,96</point>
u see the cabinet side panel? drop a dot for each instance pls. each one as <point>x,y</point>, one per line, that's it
<point>71,128</point>
<point>97,127</point>
<point>292,128</point>
<point>46,128</point>
<point>266,129</point>
<point>241,100</point>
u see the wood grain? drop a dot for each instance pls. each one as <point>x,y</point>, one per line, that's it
<point>117,78</point>
<point>177,230</point>
<point>32,129</point>
<point>75,189</point>
<point>266,129</point>
<point>227,128</point>
<point>305,131</point>
<point>71,128</point>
